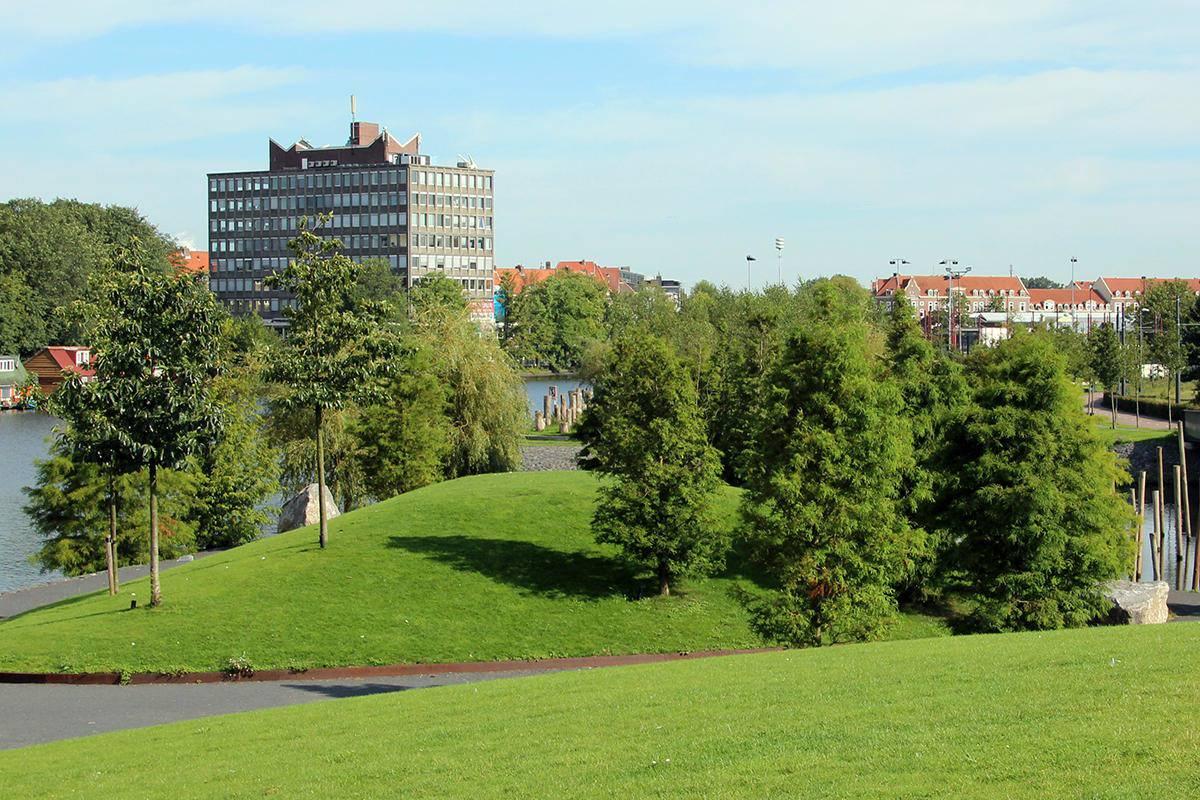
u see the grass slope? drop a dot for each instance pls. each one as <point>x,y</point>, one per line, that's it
<point>1097,713</point>
<point>484,568</point>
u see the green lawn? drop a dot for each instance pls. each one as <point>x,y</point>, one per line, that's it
<point>1102,423</point>
<point>484,568</point>
<point>1095,713</point>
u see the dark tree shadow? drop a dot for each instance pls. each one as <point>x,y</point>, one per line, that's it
<point>344,690</point>
<point>529,567</point>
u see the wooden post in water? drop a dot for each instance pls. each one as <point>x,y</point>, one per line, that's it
<point>1178,528</point>
<point>1155,561</point>
<point>1137,534</point>
<point>1141,531</point>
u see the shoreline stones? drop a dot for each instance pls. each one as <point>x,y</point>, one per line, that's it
<point>1138,603</point>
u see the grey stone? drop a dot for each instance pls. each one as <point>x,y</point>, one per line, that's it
<point>1138,603</point>
<point>185,559</point>
<point>303,509</point>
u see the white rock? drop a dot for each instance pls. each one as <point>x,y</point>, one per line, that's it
<point>1138,603</point>
<point>303,509</point>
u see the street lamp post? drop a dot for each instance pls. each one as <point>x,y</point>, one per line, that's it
<point>1074,260</point>
<point>779,259</point>
<point>952,272</point>
<point>748,260</point>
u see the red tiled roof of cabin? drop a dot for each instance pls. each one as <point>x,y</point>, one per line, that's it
<point>610,276</point>
<point>66,359</point>
<point>521,276</point>
<point>194,262</point>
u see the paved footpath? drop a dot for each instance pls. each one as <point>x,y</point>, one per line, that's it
<point>19,601</point>
<point>31,714</point>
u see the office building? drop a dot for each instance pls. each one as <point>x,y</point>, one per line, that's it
<point>387,200</point>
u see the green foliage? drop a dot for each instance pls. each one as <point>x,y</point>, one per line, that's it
<point>238,472</point>
<point>1029,494</point>
<point>1041,282</point>
<point>68,507</point>
<point>933,392</point>
<point>404,441</point>
<point>822,504</point>
<point>436,295</point>
<point>488,411</point>
<point>375,282</point>
<point>290,430</point>
<point>553,321</point>
<point>643,429</point>
<point>648,309</point>
<point>48,254</point>
<point>334,348</point>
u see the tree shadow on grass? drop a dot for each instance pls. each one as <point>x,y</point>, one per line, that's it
<point>529,567</point>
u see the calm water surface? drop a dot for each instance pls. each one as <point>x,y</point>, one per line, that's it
<point>22,440</point>
<point>536,388</point>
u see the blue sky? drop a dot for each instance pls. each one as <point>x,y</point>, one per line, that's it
<point>672,137</point>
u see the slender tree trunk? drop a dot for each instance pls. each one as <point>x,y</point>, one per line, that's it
<point>1113,399</point>
<point>664,579</point>
<point>155,587</point>
<point>110,541</point>
<point>324,525</point>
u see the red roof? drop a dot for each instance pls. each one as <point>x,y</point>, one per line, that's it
<point>1140,285</point>
<point>521,276</point>
<point>609,276</point>
<point>938,283</point>
<point>1067,296</point>
<point>192,261</point>
<point>65,358</point>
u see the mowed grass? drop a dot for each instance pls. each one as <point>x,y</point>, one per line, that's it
<point>485,568</point>
<point>1095,713</point>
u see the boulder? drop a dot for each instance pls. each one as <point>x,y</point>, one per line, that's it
<point>1138,603</point>
<point>303,509</point>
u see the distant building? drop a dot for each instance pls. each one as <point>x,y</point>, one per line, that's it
<point>1123,293</point>
<point>194,262</point>
<point>928,293</point>
<point>52,364</point>
<point>388,201</point>
<point>12,380</point>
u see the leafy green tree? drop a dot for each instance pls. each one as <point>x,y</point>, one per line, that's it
<point>1029,495</point>
<point>405,441</point>
<point>335,347</point>
<point>488,410</point>
<point>70,506</point>
<point>506,295</point>
<point>1041,282</point>
<point>238,472</point>
<point>554,321</point>
<point>1162,309</point>
<point>822,503</point>
<point>933,392</point>
<point>1107,362</point>
<point>643,430</point>
<point>648,309</point>
<point>437,296</point>
<point>375,282</point>
<point>155,345</point>
<point>48,253</point>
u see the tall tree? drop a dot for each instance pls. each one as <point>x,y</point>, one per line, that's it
<point>822,501</point>
<point>933,392</point>
<point>335,347</point>
<point>155,345</point>
<point>555,320</point>
<point>1041,282</point>
<point>643,430</point>
<point>1163,308</point>
<point>1029,495</point>
<point>1107,362</point>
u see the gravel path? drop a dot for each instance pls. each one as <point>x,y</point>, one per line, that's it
<point>539,458</point>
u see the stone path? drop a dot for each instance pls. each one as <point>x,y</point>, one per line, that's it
<point>539,458</point>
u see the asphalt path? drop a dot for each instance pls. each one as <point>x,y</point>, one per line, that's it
<point>32,714</point>
<point>19,601</point>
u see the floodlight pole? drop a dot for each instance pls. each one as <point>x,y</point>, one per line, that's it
<point>952,272</point>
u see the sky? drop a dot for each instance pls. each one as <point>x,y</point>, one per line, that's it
<point>670,137</point>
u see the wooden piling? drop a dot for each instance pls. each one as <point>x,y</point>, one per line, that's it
<point>1155,561</point>
<point>1137,535</point>
<point>1178,528</point>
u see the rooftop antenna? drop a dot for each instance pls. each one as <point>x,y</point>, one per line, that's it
<point>352,109</point>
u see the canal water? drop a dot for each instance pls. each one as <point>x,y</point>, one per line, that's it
<point>536,389</point>
<point>23,439</point>
<point>1173,568</point>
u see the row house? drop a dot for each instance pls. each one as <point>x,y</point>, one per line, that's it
<point>1082,296</point>
<point>980,293</point>
<point>1122,293</point>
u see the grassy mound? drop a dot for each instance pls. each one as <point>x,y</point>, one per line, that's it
<point>485,568</point>
<point>1093,713</point>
